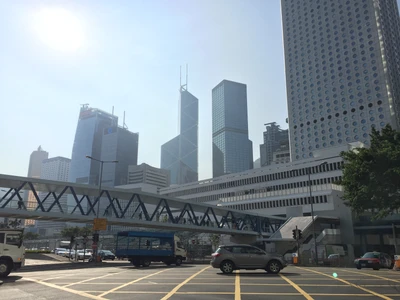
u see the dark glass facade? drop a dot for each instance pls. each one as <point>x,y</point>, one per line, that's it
<point>232,149</point>
<point>88,141</point>
<point>180,155</point>
<point>122,145</point>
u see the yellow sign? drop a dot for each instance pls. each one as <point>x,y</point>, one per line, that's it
<point>100,224</point>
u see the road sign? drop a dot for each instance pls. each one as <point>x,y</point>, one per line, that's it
<point>100,224</point>
<point>94,246</point>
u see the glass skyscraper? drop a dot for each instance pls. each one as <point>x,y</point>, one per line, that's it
<point>342,61</point>
<point>232,149</point>
<point>122,145</point>
<point>180,155</point>
<point>88,141</point>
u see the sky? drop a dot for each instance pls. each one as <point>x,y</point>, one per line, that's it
<point>129,57</point>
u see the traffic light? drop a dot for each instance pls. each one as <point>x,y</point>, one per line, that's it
<point>294,234</point>
<point>95,237</point>
<point>300,234</point>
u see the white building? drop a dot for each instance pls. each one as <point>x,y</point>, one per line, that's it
<point>342,71</point>
<point>57,169</point>
<point>149,175</point>
<point>269,184</point>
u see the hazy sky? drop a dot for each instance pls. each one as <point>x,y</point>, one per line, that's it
<point>129,59</point>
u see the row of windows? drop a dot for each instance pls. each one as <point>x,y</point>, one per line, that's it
<point>259,179</point>
<point>278,187</point>
<point>280,203</point>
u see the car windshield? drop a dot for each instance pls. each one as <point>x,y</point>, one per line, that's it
<point>371,255</point>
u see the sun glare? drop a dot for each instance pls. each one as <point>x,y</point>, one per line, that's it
<point>59,29</point>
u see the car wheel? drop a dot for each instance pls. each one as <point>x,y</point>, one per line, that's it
<point>358,267</point>
<point>178,261</point>
<point>5,268</point>
<point>146,263</point>
<point>376,268</point>
<point>274,267</point>
<point>227,267</point>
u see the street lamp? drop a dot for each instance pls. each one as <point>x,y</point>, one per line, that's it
<point>312,209</point>
<point>102,162</point>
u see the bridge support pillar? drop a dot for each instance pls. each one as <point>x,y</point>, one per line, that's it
<point>242,239</point>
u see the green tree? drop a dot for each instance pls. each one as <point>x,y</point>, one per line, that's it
<point>371,176</point>
<point>31,236</point>
<point>214,240</point>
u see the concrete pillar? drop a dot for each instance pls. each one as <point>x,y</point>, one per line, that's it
<point>350,252</point>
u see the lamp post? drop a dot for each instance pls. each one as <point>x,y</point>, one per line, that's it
<point>102,162</point>
<point>312,210</point>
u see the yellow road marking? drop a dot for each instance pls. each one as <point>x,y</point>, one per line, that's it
<point>237,286</point>
<point>80,293</point>
<point>94,278</point>
<point>175,289</point>
<point>342,295</point>
<point>129,283</point>
<point>349,283</point>
<point>372,275</point>
<point>299,289</point>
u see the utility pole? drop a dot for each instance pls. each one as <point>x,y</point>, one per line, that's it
<point>298,244</point>
<point>394,238</point>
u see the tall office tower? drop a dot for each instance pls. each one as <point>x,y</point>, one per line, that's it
<point>180,155</point>
<point>232,149</point>
<point>119,144</point>
<point>342,64</point>
<point>148,174</point>
<point>34,171</point>
<point>56,169</point>
<point>88,141</point>
<point>275,139</point>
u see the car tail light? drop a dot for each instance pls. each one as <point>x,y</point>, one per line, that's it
<point>215,254</point>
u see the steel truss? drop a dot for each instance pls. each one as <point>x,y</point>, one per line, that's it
<point>123,204</point>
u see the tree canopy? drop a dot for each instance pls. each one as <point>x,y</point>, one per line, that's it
<point>371,176</point>
<point>76,231</point>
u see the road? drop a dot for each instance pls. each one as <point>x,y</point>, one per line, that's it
<point>118,280</point>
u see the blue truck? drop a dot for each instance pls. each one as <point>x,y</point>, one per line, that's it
<point>141,248</point>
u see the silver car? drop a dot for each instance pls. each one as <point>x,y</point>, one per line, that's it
<point>236,257</point>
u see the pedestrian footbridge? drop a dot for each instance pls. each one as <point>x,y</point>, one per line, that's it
<point>78,203</point>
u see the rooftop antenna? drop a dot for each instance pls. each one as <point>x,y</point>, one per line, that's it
<point>112,111</point>
<point>85,105</point>
<point>123,123</point>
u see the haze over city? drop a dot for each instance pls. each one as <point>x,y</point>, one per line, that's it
<point>127,54</point>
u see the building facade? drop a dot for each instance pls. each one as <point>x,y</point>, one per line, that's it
<point>342,65</point>
<point>88,141</point>
<point>118,144</point>
<point>56,169</point>
<point>180,155</point>
<point>232,149</point>
<point>145,173</point>
<point>275,139</point>
<point>34,171</point>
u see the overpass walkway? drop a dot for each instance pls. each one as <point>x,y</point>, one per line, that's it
<point>125,207</point>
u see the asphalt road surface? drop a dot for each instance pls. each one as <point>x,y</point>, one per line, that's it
<point>122,281</point>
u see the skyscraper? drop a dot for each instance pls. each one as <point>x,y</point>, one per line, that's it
<point>342,64</point>
<point>119,144</point>
<point>275,139</point>
<point>180,155</point>
<point>56,169</point>
<point>34,171</point>
<point>88,141</point>
<point>232,149</point>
